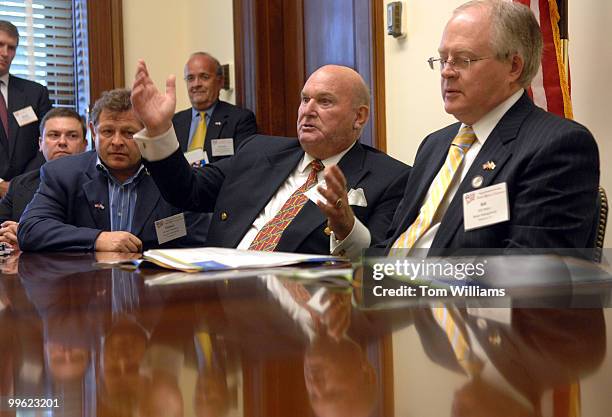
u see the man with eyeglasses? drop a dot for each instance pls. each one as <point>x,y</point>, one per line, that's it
<point>210,124</point>
<point>62,133</point>
<point>105,200</point>
<point>508,174</point>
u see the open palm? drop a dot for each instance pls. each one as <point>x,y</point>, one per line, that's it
<point>151,106</point>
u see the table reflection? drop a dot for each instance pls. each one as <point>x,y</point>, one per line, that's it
<point>106,343</point>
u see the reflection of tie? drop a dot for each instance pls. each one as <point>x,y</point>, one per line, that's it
<point>197,142</point>
<point>460,145</point>
<point>204,348</point>
<point>3,112</point>
<point>270,234</point>
<point>566,401</point>
<point>470,363</point>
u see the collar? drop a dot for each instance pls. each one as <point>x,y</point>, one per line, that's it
<point>332,160</point>
<point>487,123</point>
<point>5,79</point>
<point>209,111</point>
<point>104,169</point>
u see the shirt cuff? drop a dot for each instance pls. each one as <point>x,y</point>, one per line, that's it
<point>156,148</point>
<point>351,247</point>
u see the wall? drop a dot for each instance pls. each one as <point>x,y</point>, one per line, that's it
<point>165,33</point>
<point>414,104</point>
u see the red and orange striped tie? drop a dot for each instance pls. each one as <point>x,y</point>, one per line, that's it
<point>270,234</point>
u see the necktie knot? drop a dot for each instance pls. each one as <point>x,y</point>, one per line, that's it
<point>465,138</point>
<point>316,165</point>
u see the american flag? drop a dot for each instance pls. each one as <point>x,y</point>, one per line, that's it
<point>550,88</point>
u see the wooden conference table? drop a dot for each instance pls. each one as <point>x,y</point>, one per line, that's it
<point>77,339</point>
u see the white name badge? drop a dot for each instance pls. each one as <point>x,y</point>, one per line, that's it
<point>486,206</point>
<point>195,156</point>
<point>222,147</point>
<point>25,116</point>
<point>170,228</point>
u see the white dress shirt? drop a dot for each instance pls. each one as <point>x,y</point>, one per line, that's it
<point>164,145</point>
<point>482,129</point>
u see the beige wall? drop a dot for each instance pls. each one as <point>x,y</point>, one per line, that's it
<point>414,105</point>
<point>165,33</point>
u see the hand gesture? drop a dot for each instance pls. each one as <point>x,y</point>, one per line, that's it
<point>340,216</point>
<point>154,109</point>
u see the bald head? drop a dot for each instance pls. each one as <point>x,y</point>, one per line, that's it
<point>333,111</point>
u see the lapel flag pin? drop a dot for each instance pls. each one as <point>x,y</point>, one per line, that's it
<point>99,206</point>
<point>488,166</point>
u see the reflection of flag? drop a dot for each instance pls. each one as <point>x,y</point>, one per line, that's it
<point>550,88</point>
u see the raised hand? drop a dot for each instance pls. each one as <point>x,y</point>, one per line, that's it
<point>153,108</point>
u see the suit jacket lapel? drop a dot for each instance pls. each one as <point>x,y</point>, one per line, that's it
<point>217,120</point>
<point>497,149</point>
<point>182,126</point>
<point>16,102</point>
<point>430,167</point>
<point>96,192</point>
<point>310,217</point>
<point>146,202</point>
<point>262,184</point>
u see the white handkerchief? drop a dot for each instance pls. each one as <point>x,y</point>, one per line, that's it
<point>357,198</point>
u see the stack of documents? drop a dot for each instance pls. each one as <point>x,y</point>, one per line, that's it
<point>222,259</point>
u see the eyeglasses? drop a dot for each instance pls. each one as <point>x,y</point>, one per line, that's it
<point>457,64</point>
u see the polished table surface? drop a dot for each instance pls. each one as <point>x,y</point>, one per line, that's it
<point>80,340</point>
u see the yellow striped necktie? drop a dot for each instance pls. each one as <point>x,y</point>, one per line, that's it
<point>459,147</point>
<point>197,142</point>
<point>470,363</point>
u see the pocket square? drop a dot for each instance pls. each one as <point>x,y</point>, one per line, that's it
<point>356,197</point>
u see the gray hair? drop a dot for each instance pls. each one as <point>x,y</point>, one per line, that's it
<point>515,30</point>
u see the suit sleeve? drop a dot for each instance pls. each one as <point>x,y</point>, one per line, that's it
<point>555,197</point>
<point>43,224</point>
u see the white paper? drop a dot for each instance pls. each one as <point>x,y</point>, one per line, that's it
<point>170,228</point>
<point>222,147</point>
<point>25,116</point>
<point>486,206</point>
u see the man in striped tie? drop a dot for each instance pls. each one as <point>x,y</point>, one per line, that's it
<point>508,174</point>
<point>263,198</point>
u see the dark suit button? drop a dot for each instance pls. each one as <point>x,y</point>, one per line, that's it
<point>327,231</point>
<point>223,216</point>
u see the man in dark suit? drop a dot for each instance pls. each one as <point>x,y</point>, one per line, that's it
<point>24,104</point>
<point>543,170</point>
<point>104,200</point>
<point>223,121</point>
<point>62,132</point>
<point>255,194</point>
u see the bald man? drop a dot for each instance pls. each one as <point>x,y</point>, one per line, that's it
<point>265,197</point>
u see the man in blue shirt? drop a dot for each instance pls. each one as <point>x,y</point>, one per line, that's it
<point>104,200</point>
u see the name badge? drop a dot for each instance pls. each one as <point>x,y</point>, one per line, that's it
<point>170,228</point>
<point>195,156</point>
<point>222,147</point>
<point>25,116</point>
<point>486,206</point>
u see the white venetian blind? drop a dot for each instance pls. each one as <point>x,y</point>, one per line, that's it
<point>46,51</point>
